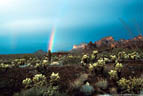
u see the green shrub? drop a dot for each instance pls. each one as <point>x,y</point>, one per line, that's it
<point>103,84</point>
<point>41,91</point>
<point>87,89</point>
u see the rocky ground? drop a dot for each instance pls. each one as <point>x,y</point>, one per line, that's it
<point>73,75</point>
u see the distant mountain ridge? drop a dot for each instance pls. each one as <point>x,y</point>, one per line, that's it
<point>109,42</point>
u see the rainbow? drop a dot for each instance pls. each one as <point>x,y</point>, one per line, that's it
<point>51,42</point>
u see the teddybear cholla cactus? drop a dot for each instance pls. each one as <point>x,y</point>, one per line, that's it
<point>39,80</point>
<point>54,77</point>
<point>106,60</point>
<point>98,66</point>
<point>4,65</point>
<point>136,84</point>
<point>121,55</point>
<point>101,62</point>
<point>113,57</point>
<point>44,63</point>
<point>133,85</point>
<point>85,59</point>
<point>91,67</point>
<point>134,55</point>
<point>113,74</point>
<point>27,82</point>
<point>118,67</point>
<point>94,55</point>
<point>124,84</point>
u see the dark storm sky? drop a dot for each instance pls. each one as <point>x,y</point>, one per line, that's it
<point>25,25</point>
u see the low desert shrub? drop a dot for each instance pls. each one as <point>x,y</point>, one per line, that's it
<point>87,89</point>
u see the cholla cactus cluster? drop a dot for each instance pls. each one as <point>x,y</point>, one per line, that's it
<point>5,66</point>
<point>113,74</point>
<point>27,82</point>
<point>42,64</point>
<point>136,84</point>
<point>106,60</point>
<point>132,85</point>
<point>54,77</point>
<point>38,80</point>
<point>85,59</point>
<point>133,55</point>
<point>91,67</point>
<point>124,84</point>
<point>70,56</point>
<point>113,57</point>
<point>122,55</point>
<point>95,52</point>
<point>101,62</point>
<point>118,67</point>
<point>97,66</point>
<point>94,55</point>
<point>20,61</point>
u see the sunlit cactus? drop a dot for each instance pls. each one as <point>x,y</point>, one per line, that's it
<point>70,56</point>
<point>134,55</point>
<point>2,65</point>
<point>85,59</point>
<point>101,62</point>
<point>126,56</point>
<point>113,57</point>
<point>37,65</point>
<point>95,65</point>
<point>5,66</point>
<point>91,67</point>
<point>124,84</point>
<point>118,67</point>
<point>27,82</point>
<point>98,66</point>
<point>136,84</point>
<point>94,55</point>
<point>39,80</point>
<point>121,54</point>
<point>44,62</point>
<point>132,85</point>
<point>95,52</point>
<point>54,77</point>
<point>113,74</point>
<point>106,59</point>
